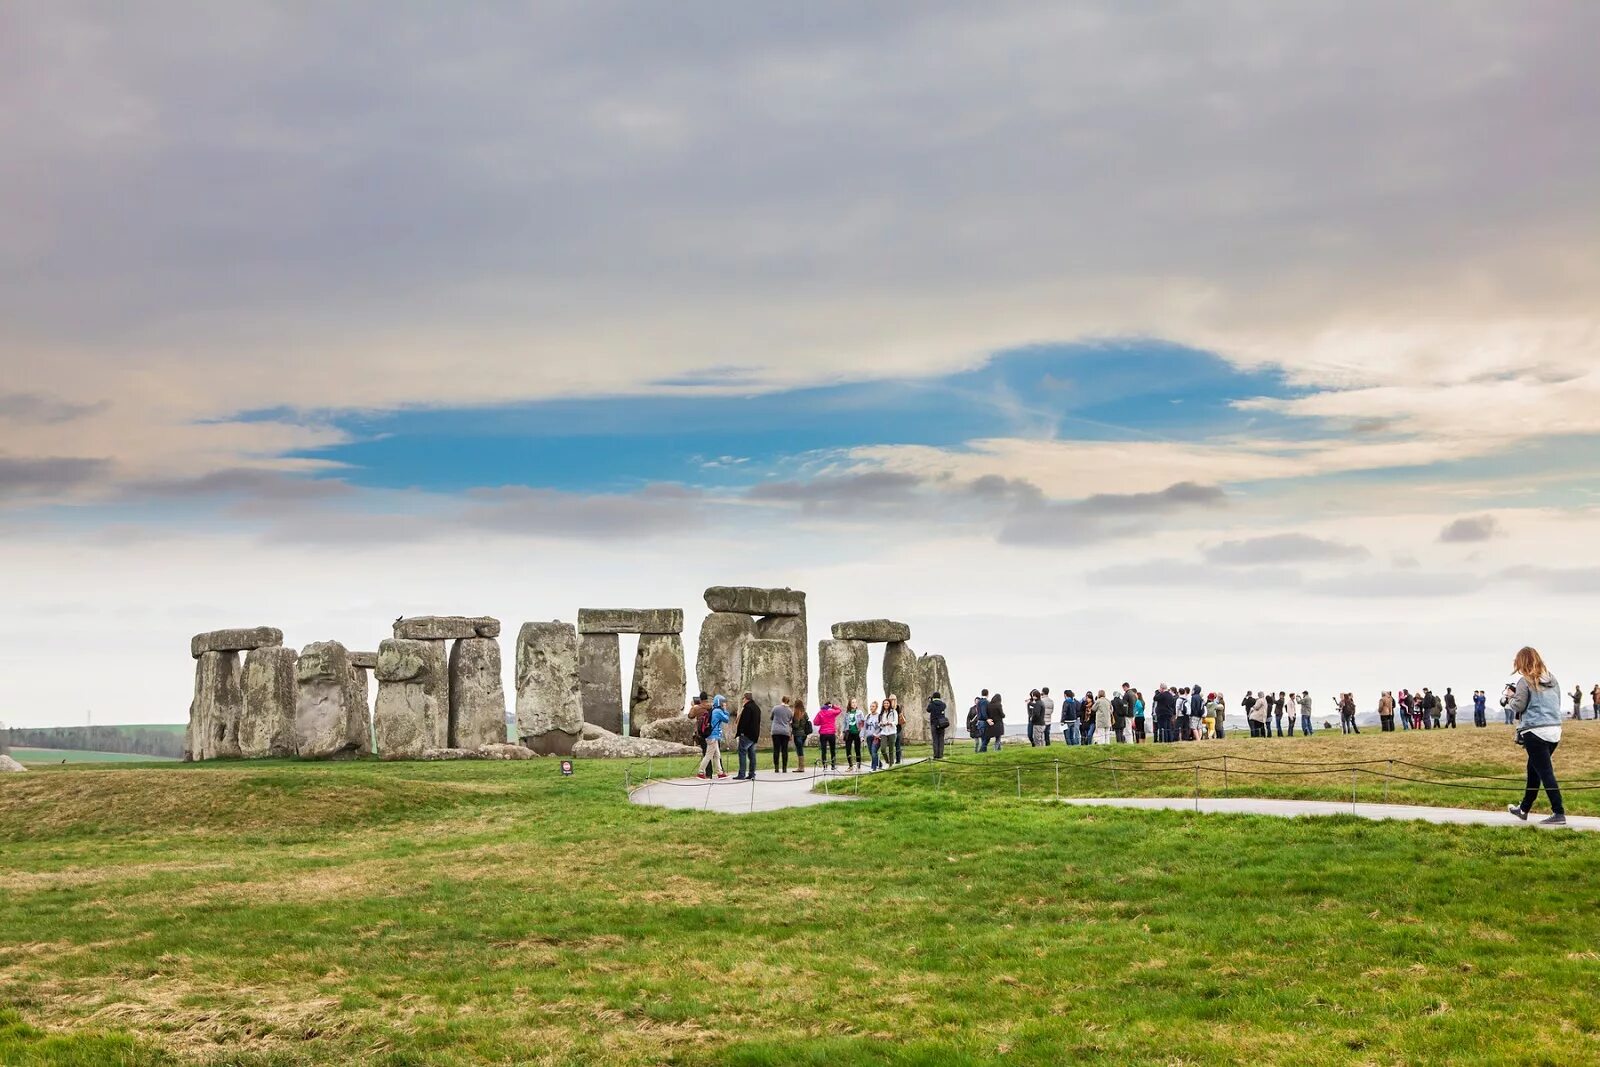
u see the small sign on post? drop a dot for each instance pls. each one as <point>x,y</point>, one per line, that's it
<point>566,768</point>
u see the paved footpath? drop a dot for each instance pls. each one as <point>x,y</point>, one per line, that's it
<point>770,791</point>
<point>1294,808</point>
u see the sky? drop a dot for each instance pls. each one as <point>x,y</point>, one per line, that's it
<point>1233,344</point>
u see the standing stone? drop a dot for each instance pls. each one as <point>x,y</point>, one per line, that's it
<point>477,696</point>
<point>360,708</point>
<point>790,628</point>
<point>748,600</point>
<point>722,639</point>
<point>549,698</point>
<point>436,682</point>
<point>841,672</point>
<point>935,679</point>
<point>266,729</point>
<point>876,630</point>
<point>660,681</point>
<point>769,674</point>
<point>326,699</point>
<point>408,717</point>
<point>600,679</point>
<point>217,707</point>
<point>902,677</point>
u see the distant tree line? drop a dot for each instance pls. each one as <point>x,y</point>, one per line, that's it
<point>131,739</point>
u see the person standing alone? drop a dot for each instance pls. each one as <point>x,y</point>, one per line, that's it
<point>1536,707</point>
<point>938,723</point>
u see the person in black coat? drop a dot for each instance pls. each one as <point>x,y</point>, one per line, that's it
<point>996,727</point>
<point>938,723</point>
<point>749,733</point>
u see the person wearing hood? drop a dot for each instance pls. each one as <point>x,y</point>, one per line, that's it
<point>749,731</point>
<point>1536,707</point>
<point>938,723</point>
<point>713,756</point>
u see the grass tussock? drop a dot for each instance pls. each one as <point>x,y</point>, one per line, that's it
<point>466,914</point>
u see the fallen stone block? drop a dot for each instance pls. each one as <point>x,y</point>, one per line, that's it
<point>615,747</point>
<point>679,731</point>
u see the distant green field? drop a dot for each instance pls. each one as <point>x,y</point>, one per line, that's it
<point>56,755</point>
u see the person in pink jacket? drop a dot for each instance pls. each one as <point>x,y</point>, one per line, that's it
<point>826,721</point>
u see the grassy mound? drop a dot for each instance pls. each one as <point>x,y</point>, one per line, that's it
<point>476,913</point>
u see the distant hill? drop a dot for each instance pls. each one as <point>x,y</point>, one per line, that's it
<point>62,755</point>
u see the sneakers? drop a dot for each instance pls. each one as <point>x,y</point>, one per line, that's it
<point>1513,809</point>
<point>701,777</point>
<point>724,774</point>
<point>1555,820</point>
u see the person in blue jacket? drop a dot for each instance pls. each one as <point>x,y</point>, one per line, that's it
<point>713,756</point>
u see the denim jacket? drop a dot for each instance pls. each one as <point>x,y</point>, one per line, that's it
<point>1537,707</point>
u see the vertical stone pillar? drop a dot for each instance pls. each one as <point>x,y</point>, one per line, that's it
<point>326,701</point>
<point>217,706</point>
<point>935,679</point>
<point>902,676</point>
<point>660,680</point>
<point>841,672</point>
<point>435,682</point>
<point>477,696</point>
<point>549,699</point>
<point>600,680</point>
<point>769,675</point>
<point>790,628</point>
<point>717,668</point>
<point>266,729</point>
<point>408,716</point>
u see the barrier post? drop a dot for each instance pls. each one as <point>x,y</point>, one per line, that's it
<point>1114,788</point>
<point>1352,790</point>
<point>752,792</point>
<point>1197,788</point>
<point>649,768</point>
<point>1224,774</point>
<point>1386,782</point>
<point>1058,778</point>
<point>1019,783</point>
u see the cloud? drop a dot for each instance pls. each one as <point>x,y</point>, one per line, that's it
<point>1170,573</point>
<point>47,475</point>
<point>37,408</point>
<point>1556,581</point>
<point>246,482</point>
<point>1283,548</point>
<point>1103,516</point>
<point>1470,531</point>
<point>1414,585</point>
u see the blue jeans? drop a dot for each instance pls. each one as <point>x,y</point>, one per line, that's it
<point>1305,723</point>
<point>1046,735</point>
<point>1070,732</point>
<point>747,758</point>
<point>873,745</point>
<point>1088,733</point>
<point>899,747</point>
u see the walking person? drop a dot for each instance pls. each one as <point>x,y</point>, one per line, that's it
<point>1070,714</point>
<point>801,732</point>
<point>718,718</point>
<point>850,724</point>
<point>1536,707</point>
<point>938,723</point>
<point>996,728</point>
<point>749,732</point>
<point>782,731</point>
<point>871,732</point>
<point>700,715</point>
<point>827,724</point>
<point>1049,712</point>
<point>1480,708</point>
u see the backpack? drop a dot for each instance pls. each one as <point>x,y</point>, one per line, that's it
<point>702,725</point>
<point>972,718</point>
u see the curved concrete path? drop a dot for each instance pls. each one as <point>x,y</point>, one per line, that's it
<point>770,791</point>
<point>1290,809</point>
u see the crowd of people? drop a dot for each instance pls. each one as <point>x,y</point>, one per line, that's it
<point>876,733</point>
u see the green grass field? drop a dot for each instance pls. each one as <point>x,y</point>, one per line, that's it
<point>56,755</point>
<point>478,913</point>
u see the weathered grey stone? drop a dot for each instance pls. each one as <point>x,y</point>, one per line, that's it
<point>365,660</point>
<point>433,754</point>
<point>600,679</point>
<point>9,765</point>
<point>329,703</point>
<point>436,681</point>
<point>769,676</point>
<point>660,680</point>
<point>408,717</point>
<point>841,672</point>
<point>630,620</point>
<point>876,630</point>
<point>477,696</point>
<point>446,627</point>
<point>679,730</point>
<point>615,747</point>
<point>266,727</point>
<point>549,699</point>
<point>217,706</point>
<point>722,639</point>
<point>902,679</point>
<point>935,679</point>
<point>750,600</point>
<point>234,640</point>
<point>790,628</point>
<point>505,750</point>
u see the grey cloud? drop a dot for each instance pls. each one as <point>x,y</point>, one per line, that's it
<point>268,485</point>
<point>1104,516</point>
<point>1469,531</point>
<point>896,495</point>
<point>1172,498</point>
<point>43,474</point>
<point>1171,573</point>
<point>39,408</point>
<point>1399,584</point>
<point>655,510</point>
<point>1283,548</point>
<point>872,487</point>
<point>1556,581</point>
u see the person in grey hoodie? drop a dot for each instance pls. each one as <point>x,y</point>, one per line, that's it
<point>1536,706</point>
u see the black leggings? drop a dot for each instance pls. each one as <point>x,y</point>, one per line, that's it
<point>1541,772</point>
<point>827,749</point>
<point>852,744</point>
<point>780,752</point>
